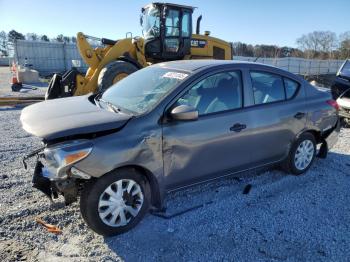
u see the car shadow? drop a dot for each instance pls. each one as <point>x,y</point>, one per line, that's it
<point>278,218</point>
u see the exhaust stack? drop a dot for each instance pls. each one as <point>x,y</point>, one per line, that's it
<point>198,24</point>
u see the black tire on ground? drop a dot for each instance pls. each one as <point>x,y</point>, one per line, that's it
<point>90,197</point>
<point>16,87</point>
<point>111,70</point>
<point>289,164</point>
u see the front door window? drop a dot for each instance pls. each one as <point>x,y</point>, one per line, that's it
<point>216,93</point>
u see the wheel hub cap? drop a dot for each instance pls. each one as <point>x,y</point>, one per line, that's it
<point>304,154</point>
<point>120,202</point>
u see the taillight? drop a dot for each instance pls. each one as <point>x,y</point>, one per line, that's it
<point>333,103</point>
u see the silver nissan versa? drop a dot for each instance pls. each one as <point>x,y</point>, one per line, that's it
<point>173,125</point>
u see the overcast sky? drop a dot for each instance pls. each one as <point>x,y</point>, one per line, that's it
<point>250,21</point>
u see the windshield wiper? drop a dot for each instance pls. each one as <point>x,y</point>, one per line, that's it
<point>109,105</point>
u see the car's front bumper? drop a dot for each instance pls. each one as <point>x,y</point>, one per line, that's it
<point>47,183</point>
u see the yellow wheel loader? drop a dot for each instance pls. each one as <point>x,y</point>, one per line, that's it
<point>167,35</point>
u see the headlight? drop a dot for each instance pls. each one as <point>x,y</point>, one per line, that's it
<point>59,158</point>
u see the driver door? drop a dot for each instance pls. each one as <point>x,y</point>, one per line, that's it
<point>212,145</point>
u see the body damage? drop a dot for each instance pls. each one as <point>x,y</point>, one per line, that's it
<point>141,150</point>
<point>171,154</point>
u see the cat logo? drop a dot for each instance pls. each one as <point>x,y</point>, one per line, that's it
<point>198,43</point>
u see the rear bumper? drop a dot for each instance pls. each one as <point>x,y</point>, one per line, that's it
<point>332,138</point>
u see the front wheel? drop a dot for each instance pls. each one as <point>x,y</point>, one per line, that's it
<point>115,203</point>
<point>301,155</point>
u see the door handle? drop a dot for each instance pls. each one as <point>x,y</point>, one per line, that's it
<point>237,127</point>
<point>299,115</point>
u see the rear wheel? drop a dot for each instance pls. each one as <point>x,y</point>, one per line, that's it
<point>116,202</point>
<point>301,155</point>
<point>114,72</point>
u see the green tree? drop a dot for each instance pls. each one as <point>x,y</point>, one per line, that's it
<point>44,38</point>
<point>3,43</point>
<point>14,35</point>
<point>344,46</point>
<point>59,38</point>
<point>32,36</point>
<point>66,39</point>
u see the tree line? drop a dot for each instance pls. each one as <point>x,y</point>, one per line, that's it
<point>9,38</point>
<point>315,45</point>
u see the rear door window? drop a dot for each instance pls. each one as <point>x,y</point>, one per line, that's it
<point>267,87</point>
<point>291,87</point>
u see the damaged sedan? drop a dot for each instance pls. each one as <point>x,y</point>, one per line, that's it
<point>173,125</point>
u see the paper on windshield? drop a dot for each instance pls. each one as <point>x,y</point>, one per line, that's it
<point>175,75</point>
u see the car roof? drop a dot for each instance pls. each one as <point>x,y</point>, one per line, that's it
<point>199,64</point>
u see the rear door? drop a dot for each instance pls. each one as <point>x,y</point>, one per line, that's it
<point>213,144</point>
<point>277,113</point>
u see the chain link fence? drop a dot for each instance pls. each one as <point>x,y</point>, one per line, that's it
<point>49,57</point>
<point>297,65</point>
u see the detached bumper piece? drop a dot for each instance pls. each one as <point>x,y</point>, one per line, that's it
<point>42,183</point>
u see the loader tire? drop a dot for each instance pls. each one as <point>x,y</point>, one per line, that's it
<point>113,72</point>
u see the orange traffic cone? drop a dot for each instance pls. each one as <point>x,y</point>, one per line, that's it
<point>14,79</point>
<point>16,86</point>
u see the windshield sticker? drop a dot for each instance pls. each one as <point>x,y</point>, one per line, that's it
<point>175,75</point>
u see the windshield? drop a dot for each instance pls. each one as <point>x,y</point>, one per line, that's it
<point>142,90</point>
<point>150,22</point>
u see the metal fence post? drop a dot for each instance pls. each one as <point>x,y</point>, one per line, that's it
<point>16,50</point>
<point>309,67</point>
<point>64,56</point>
<point>319,67</point>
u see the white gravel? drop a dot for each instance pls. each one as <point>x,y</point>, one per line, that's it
<point>283,218</point>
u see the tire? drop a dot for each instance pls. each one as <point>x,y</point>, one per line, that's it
<point>291,165</point>
<point>16,87</point>
<point>94,192</point>
<point>107,76</point>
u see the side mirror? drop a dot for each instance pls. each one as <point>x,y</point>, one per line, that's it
<point>184,112</point>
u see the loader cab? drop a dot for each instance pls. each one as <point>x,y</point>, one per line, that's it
<point>167,31</point>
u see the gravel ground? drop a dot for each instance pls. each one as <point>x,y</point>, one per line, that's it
<point>282,218</point>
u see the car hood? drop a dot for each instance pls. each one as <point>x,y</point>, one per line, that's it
<point>63,117</point>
